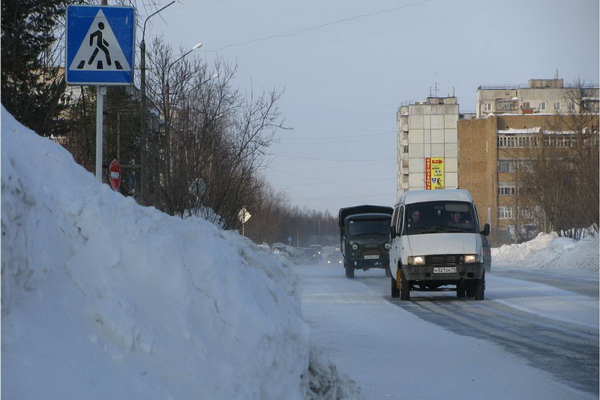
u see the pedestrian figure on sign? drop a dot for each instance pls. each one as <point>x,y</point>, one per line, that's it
<point>101,44</point>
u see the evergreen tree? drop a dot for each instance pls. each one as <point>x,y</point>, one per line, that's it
<point>32,84</point>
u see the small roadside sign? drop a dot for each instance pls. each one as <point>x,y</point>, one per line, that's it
<point>100,44</point>
<point>114,175</point>
<point>244,215</point>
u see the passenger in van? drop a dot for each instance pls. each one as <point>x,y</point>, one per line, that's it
<point>457,219</point>
<point>415,219</point>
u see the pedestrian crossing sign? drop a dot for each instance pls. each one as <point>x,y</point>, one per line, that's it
<point>100,44</point>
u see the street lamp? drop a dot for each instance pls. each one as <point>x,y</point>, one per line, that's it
<point>167,110</point>
<point>144,164</point>
<point>167,95</point>
<point>196,46</point>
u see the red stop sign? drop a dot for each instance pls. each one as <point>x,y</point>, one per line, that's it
<point>114,175</point>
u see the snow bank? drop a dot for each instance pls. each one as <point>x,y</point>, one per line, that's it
<point>548,251</point>
<point>104,299</point>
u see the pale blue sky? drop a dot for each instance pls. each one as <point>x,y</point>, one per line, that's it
<point>346,67</point>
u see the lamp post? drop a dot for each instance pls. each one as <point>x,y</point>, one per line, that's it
<point>186,127</point>
<point>167,111</point>
<point>167,94</point>
<point>144,164</point>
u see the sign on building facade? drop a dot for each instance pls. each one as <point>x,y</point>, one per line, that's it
<point>434,173</point>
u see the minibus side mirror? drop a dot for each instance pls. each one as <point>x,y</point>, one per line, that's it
<point>486,230</point>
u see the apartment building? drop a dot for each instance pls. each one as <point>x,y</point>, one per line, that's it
<point>427,144</point>
<point>539,96</point>
<point>496,146</point>
<point>440,148</point>
<point>491,150</point>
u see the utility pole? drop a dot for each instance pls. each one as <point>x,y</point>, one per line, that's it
<point>145,164</point>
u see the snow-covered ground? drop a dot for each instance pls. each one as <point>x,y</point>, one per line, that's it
<point>104,299</point>
<point>393,354</point>
<point>550,252</point>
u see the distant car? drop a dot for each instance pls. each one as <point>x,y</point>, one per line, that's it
<point>318,249</point>
<point>311,254</point>
<point>487,253</point>
<point>334,258</point>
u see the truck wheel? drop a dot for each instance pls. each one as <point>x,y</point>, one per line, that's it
<point>480,287</point>
<point>395,290</point>
<point>349,271</point>
<point>404,287</point>
<point>460,290</point>
<point>470,288</point>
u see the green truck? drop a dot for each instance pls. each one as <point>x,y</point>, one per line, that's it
<point>365,237</point>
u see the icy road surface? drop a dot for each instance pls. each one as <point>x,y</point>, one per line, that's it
<point>527,340</point>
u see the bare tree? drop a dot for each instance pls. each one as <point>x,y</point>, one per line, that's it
<point>249,134</point>
<point>563,178</point>
<point>207,131</point>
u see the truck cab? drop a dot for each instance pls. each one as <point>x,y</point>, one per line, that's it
<point>365,237</point>
<point>437,244</point>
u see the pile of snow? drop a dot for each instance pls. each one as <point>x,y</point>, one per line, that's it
<point>104,299</point>
<point>549,251</point>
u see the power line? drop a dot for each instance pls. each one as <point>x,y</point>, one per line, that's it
<point>339,137</point>
<point>314,28</point>
<point>335,160</point>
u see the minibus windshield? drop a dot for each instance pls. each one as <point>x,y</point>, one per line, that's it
<point>440,216</point>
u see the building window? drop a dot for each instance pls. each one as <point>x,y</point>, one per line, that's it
<point>513,165</point>
<point>506,141</point>
<point>559,141</point>
<point>522,165</point>
<point>505,165</point>
<point>570,106</point>
<point>517,141</point>
<point>591,105</point>
<point>487,107</point>
<point>557,106</point>
<point>404,149</point>
<point>526,213</point>
<point>506,188</point>
<point>542,106</point>
<point>505,213</point>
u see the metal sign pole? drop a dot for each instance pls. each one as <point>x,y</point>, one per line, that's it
<point>99,50</point>
<point>100,92</point>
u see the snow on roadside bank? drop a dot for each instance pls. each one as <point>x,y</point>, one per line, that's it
<point>104,299</point>
<point>549,251</point>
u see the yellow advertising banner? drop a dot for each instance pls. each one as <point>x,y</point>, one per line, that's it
<point>434,173</point>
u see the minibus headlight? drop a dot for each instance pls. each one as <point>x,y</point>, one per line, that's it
<point>416,260</point>
<point>471,258</point>
<point>387,246</point>
<point>354,246</point>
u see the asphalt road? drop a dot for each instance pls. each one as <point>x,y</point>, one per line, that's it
<point>567,350</point>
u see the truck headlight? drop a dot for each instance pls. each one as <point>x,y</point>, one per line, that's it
<point>354,246</point>
<point>416,260</point>
<point>471,258</point>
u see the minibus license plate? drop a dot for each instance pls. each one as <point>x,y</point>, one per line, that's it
<point>371,257</point>
<point>444,270</point>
